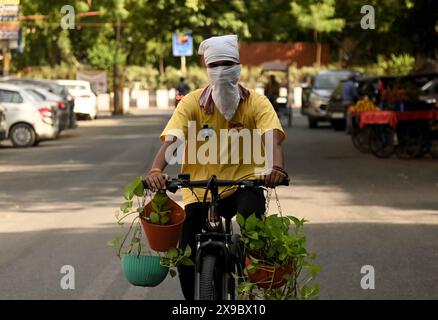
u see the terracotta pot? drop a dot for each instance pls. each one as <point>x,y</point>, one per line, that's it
<point>163,237</point>
<point>268,277</point>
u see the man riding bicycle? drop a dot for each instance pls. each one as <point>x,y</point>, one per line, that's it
<point>202,116</point>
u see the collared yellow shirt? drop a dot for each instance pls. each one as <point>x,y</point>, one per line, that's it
<point>254,114</point>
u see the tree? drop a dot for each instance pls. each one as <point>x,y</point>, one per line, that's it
<point>319,17</point>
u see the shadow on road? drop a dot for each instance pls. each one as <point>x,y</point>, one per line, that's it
<point>404,258</point>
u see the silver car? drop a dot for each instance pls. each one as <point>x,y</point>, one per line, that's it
<point>316,97</point>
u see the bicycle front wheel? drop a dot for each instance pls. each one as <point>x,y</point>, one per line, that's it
<point>211,282</point>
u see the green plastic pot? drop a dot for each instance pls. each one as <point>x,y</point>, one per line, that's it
<point>144,271</point>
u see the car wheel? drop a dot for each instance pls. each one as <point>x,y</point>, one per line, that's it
<point>312,123</point>
<point>338,125</point>
<point>22,135</point>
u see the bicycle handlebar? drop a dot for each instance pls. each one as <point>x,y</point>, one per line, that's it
<point>175,184</point>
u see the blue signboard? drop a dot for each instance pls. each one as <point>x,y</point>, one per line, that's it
<point>182,44</point>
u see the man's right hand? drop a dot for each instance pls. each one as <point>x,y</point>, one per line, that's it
<point>156,181</point>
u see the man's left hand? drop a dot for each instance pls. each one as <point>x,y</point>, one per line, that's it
<point>275,178</point>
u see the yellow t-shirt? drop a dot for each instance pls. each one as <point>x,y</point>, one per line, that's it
<point>231,159</point>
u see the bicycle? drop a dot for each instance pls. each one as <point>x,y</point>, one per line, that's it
<point>218,249</point>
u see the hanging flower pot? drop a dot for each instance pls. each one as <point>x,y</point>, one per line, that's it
<point>268,277</point>
<point>142,270</point>
<point>163,234</point>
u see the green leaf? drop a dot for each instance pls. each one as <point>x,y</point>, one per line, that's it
<point>188,251</point>
<point>240,220</point>
<point>125,206</point>
<point>172,253</point>
<point>187,261</point>
<point>128,192</point>
<point>253,235</point>
<point>172,273</point>
<point>155,206</point>
<point>164,220</point>
<point>115,242</point>
<point>138,187</point>
<point>251,223</point>
<point>155,218</point>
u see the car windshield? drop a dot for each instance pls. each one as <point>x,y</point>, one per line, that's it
<point>329,80</point>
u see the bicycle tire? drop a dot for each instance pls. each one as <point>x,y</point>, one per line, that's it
<point>210,284</point>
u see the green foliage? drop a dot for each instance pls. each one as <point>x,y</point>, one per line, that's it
<point>161,209</point>
<point>396,65</point>
<point>317,16</point>
<point>147,27</point>
<point>268,242</point>
<point>175,257</point>
<point>104,55</point>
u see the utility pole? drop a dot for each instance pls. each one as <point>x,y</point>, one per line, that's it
<point>183,65</point>
<point>6,59</point>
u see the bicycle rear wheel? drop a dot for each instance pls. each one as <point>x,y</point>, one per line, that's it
<point>211,281</point>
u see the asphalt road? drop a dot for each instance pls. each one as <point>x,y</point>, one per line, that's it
<point>57,204</point>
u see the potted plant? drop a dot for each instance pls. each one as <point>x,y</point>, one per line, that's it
<point>162,220</point>
<point>143,267</point>
<point>275,259</point>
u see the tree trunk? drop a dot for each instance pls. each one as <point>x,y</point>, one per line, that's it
<point>318,53</point>
<point>161,68</point>
<point>318,49</point>
<point>118,75</point>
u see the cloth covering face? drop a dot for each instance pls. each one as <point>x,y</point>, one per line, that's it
<point>223,79</point>
<point>225,92</point>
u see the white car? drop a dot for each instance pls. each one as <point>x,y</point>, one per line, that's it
<point>85,99</point>
<point>28,121</point>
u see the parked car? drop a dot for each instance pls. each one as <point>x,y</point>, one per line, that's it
<point>42,94</point>
<point>2,124</point>
<point>28,121</point>
<point>56,89</point>
<point>85,99</point>
<point>315,97</point>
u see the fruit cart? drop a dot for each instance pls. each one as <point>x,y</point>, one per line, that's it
<point>405,128</point>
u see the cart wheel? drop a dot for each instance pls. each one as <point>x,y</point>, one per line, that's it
<point>382,141</point>
<point>413,140</point>
<point>360,139</point>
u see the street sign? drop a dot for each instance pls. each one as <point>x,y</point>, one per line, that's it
<point>9,19</point>
<point>182,44</point>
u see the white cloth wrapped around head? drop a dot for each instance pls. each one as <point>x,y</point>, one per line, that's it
<point>220,48</point>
